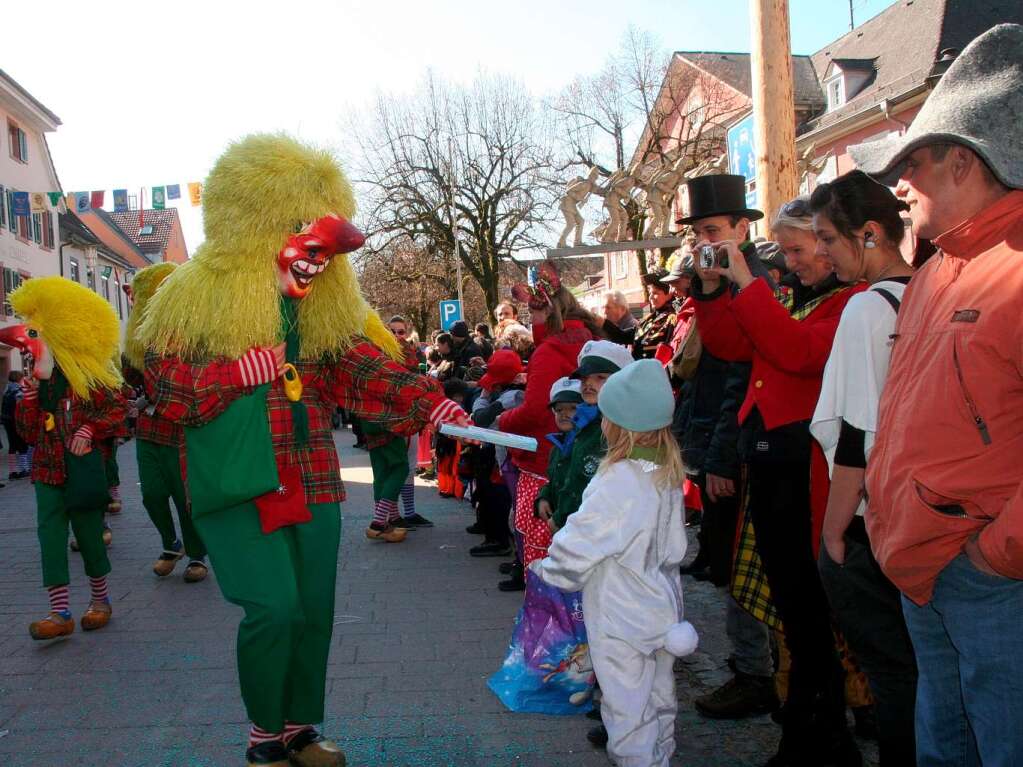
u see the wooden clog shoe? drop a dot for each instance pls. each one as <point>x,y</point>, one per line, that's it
<point>97,616</point>
<point>310,749</point>
<point>52,626</point>
<point>272,753</point>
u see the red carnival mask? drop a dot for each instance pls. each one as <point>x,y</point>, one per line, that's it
<point>539,295</point>
<point>308,252</point>
<point>35,352</point>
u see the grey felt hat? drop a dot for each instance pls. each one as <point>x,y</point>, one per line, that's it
<point>978,103</point>
<point>638,397</point>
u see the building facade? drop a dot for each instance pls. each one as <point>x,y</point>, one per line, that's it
<point>28,243</point>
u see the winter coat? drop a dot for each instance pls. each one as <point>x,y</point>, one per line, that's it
<point>555,357</point>
<point>572,466</point>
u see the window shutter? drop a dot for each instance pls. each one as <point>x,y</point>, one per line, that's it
<point>12,224</point>
<point>23,142</point>
<point>37,228</point>
<point>3,208</point>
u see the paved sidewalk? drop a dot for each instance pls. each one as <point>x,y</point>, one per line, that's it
<point>419,628</point>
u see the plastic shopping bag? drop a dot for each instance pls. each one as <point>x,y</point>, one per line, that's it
<point>547,669</point>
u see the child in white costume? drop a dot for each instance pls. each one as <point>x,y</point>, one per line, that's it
<point>623,549</point>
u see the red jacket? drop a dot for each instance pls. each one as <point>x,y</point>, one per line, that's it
<point>556,356</point>
<point>788,355</point>
<point>946,464</point>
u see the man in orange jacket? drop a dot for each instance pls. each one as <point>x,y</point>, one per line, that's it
<point>945,480</point>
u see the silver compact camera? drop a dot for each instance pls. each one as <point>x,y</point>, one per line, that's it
<point>709,258</point>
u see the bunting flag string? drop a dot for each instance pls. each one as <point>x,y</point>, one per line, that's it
<point>29,203</point>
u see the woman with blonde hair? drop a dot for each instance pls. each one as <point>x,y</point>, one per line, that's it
<point>622,549</point>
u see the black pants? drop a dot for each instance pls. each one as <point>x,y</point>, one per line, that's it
<point>780,507</point>
<point>494,506</point>
<point>717,533</point>
<point>868,608</point>
<point>357,431</point>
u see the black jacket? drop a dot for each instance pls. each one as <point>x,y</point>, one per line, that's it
<point>706,422</point>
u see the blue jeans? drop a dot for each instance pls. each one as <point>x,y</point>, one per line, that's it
<point>969,650</point>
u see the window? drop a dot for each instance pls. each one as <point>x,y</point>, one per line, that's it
<point>3,207</point>
<point>90,278</point>
<point>47,225</point>
<point>117,295</point>
<point>106,285</point>
<point>11,223</point>
<point>12,280</point>
<point>37,228</point>
<point>74,272</point>
<point>836,92</point>
<point>147,229</point>
<point>18,142</point>
<point>619,265</point>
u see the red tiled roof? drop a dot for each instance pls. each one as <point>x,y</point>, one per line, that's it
<point>162,221</point>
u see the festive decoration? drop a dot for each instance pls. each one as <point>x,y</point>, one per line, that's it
<point>120,200</point>
<point>195,193</point>
<point>21,206</point>
<point>96,199</point>
<point>159,198</point>
<point>55,198</point>
<point>38,202</point>
<point>173,191</point>
<point>81,202</point>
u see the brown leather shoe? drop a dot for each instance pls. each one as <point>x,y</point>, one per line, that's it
<point>389,534</point>
<point>108,536</point>
<point>52,626</point>
<point>196,571</point>
<point>114,507</point>
<point>310,749</point>
<point>166,562</point>
<point>97,616</point>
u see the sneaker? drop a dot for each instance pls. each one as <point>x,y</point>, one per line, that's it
<point>512,584</point>
<point>598,736</point>
<point>741,696</point>
<point>490,550</point>
<point>412,522</point>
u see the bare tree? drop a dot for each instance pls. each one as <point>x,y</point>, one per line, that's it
<point>477,159</point>
<point>673,116</point>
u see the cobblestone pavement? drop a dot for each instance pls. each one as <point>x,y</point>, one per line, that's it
<point>419,628</point>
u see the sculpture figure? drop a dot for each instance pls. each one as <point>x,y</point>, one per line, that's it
<point>617,192</point>
<point>575,195</point>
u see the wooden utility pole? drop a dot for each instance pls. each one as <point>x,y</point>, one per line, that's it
<point>774,111</point>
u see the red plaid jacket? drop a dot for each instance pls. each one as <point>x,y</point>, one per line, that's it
<point>150,426</point>
<point>363,380</point>
<point>104,415</point>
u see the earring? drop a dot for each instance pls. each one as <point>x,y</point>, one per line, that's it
<point>868,241</point>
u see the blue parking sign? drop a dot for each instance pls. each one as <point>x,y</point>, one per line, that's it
<point>450,313</point>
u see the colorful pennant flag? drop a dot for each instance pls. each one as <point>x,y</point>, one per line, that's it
<point>38,202</point>
<point>96,199</point>
<point>173,191</point>
<point>107,270</point>
<point>195,193</point>
<point>81,202</point>
<point>21,207</point>
<point>120,200</point>
<point>159,198</point>
<point>55,198</point>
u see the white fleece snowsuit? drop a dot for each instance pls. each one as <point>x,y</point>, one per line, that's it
<point>623,548</point>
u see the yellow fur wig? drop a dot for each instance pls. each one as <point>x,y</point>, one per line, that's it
<point>80,328</point>
<point>143,286</point>
<point>225,300</point>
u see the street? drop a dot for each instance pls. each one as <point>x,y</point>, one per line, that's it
<point>419,628</point>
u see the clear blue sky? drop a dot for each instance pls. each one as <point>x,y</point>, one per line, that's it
<point>149,93</point>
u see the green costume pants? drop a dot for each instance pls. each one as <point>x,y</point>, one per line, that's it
<point>113,471</point>
<point>52,525</point>
<point>285,583</point>
<point>390,465</point>
<point>160,476</point>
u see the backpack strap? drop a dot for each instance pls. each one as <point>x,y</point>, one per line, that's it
<point>889,297</point>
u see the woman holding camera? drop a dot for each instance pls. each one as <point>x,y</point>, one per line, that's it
<point>787,335</point>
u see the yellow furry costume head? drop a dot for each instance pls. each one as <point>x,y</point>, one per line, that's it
<point>143,286</point>
<point>225,300</point>
<point>78,326</point>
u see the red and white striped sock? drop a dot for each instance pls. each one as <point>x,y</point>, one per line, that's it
<point>115,492</point>
<point>258,735</point>
<point>291,730</point>
<point>60,599</point>
<point>384,511</point>
<point>99,589</point>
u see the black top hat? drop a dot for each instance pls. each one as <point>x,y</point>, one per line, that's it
<point>719,195</point>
